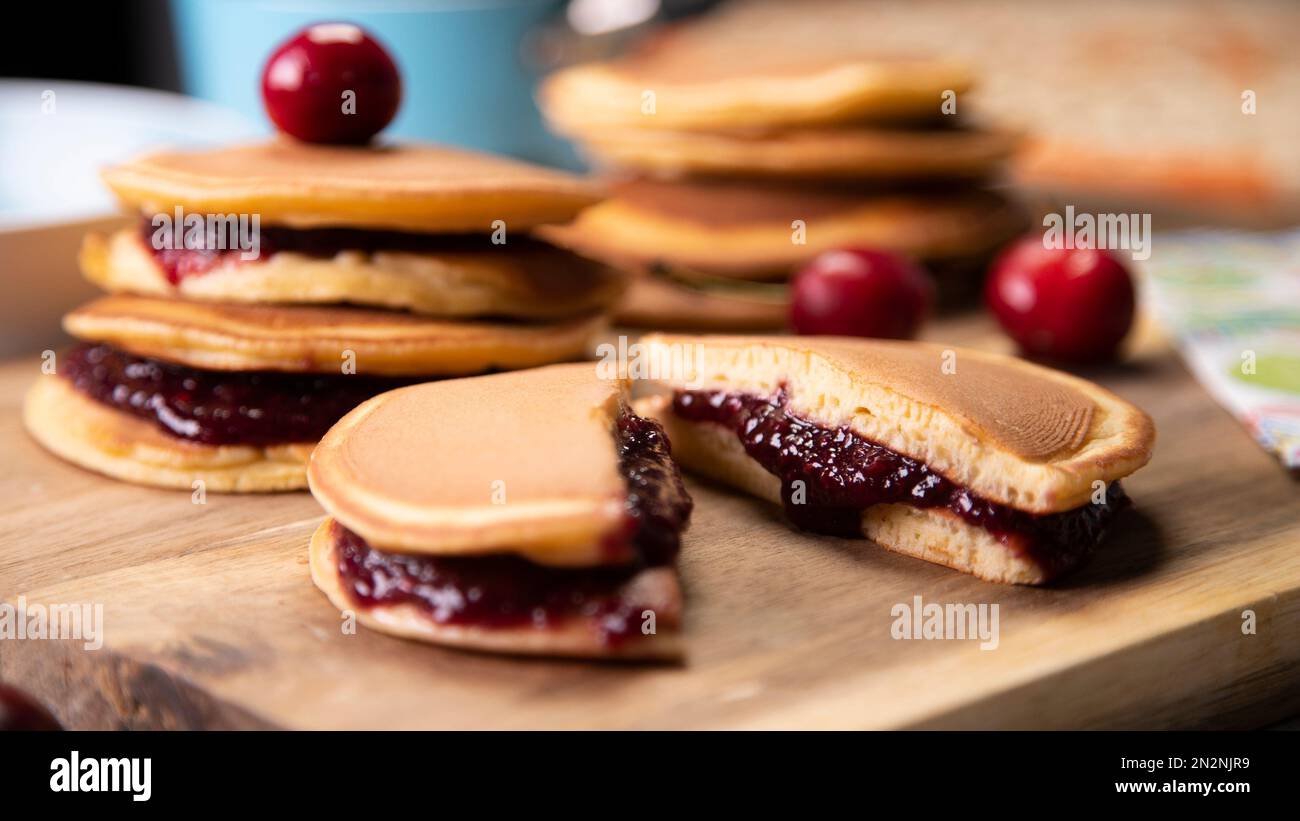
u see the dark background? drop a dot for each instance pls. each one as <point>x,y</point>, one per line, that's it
<point>127,42</point>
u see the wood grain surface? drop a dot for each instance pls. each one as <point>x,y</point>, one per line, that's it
<point>211,620</point>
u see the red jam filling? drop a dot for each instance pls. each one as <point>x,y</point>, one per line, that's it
<point>509,591</point>
<point>180,263</point>
<point>658,507</point>
<point>844,474</point>
<point>220,407</point>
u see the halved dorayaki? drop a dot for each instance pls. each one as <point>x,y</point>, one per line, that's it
<point>984,463</point>
<point>528,512</point>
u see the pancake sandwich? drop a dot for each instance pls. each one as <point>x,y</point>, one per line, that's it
<point>731,170</point>
<point>169,392</point>
<point>531,512</point>
<point>268,289</point>
<point>437,231</point>
<point>984,463</point>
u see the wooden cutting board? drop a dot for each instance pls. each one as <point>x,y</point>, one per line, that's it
<point>211,620</point>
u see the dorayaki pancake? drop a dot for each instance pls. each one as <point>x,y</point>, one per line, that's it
<point>424,469</point>
<point>748,230</point>
<point>219,336</point>
<point>521,512</point>
<point>655,589</point>
<point>430,189</point>
<point>823,153</point>
<point>523,279</point>
<point>104,440</point>
<point>720,90</point>
<point>1015,433</point>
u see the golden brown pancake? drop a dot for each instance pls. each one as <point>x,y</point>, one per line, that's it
<point>717,90</point>
<point>524,465</point>
<point>832,154</point>
<point>428,189</point>
<point>1016,433</point>
<point>528,280</point>
<point>219,336</point>
<point>99,438</point>
<point>752,231</point>
<point>424,469</point>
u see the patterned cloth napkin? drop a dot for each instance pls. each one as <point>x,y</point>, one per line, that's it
<point>1231,300</point>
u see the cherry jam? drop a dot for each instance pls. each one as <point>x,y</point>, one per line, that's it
<point>220,407</point>
<point>830,475</point>
<point>510,591</point>
<point>658,507</point>
<point>180,263</point>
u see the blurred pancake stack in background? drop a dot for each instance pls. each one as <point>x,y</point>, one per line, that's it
<point>1187,109</point>
<point>731,168</point>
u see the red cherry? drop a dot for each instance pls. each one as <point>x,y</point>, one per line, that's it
<point>1071,304</point>
<point>331,83</point>
<point>860,292</point>
<point>19,711</point>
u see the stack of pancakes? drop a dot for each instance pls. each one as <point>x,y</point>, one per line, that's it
<point>374,268</point>
<point>736,169</point>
